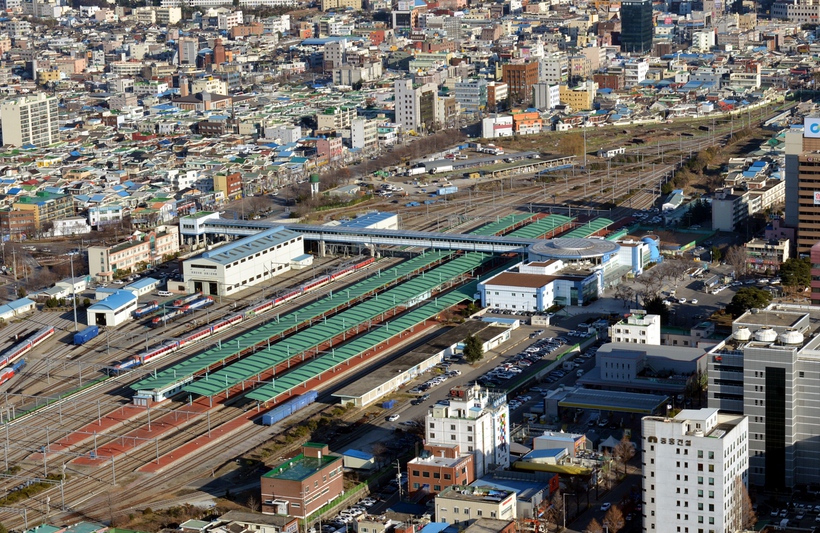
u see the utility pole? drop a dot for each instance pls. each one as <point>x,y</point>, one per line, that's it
<point>73,292</point>
<point>398,476</point>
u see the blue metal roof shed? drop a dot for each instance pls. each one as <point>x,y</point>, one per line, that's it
<point>112,311</point>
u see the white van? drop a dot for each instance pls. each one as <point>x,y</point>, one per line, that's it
<point>164,294</point>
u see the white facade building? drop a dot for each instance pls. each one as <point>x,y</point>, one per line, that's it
<point>637,328</point>
<point>30,120</point>
<point>546,96</point>
<point>635,72</point>
<point>478,422</point>
<point>113,310</point>
<point>494,127</point>
<point>694,467</point>
<point>364,134</point>
<point>241,264</point>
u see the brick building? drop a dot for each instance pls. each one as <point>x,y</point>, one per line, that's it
<point>520,78</point>
<point>439,467</point>
<point>303,484</point>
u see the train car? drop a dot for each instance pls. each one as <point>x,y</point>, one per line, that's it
<point>286,409</point>
<point>362,264</point>
<point>200,304</point>
<point>341,272</point>
<point>170,316</point>
<point>187,299</point>
<point>288,296</point>
<point>156,353</point>
<point>196,336</point>
<point>123,366</point>
<point>82,337</point>
<point>228,322</point>
<point>312,284</point>
<point>259,309</point>
<point>22,348</point>
<point>10,371</point>
<point>149,308</point>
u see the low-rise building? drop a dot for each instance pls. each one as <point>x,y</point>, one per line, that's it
<point>766,255</point>
<point>637,328</point>
<point>113,310</point>
<point>142,251</point>
<point>463,506</point>
<point>439,467</point>
<point>303,484</point>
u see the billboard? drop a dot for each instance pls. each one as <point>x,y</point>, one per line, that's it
<point>816,197</point>
<point>811,128</point>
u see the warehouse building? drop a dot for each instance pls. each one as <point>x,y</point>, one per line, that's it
<point>16,308</point>
<point>244,263</point>
<point>112,311</point>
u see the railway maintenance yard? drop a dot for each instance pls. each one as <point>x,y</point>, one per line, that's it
<point>154,409</point>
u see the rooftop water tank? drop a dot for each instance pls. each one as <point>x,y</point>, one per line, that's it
<point>765,334</point>
<point>742,334</point>
<point>791,337</point>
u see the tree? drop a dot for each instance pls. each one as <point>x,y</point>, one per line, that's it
<point>21,292</point>
<point>624,451</point>
<point>747,515</point>
<point>748,298</point>
<point>716,254</point>
<point>796,272</point>
<point>736,257</point>
<point>614,519</point>
<point>555,513</point>
<point>473,349</point>
<point>656,306</point>
<point>624,292</point>
<point>252,503</point>
<point>594,527</point>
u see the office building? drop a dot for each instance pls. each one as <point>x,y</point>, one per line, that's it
<point>636,26</point>
<point>303,484</point>
<point>471,95</point>
<point>520,79</point>
<point>243,263</point>
<point>767,370</point>
<point>637,328</point>
<point>188,47</point>
<point>478,422</point>
<point>803,183</point>
<point>694,468</point>
<point>30,120</point>
<point>415,106</point>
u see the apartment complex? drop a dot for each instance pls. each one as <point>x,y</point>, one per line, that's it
<point>694,468</point>
<point>303,484</point>
<point>478,422</point>
<point>767,370</point>
<point>520,78</point>
<point>147,249</point>
<point>637,328</point>
<point>30,120</point>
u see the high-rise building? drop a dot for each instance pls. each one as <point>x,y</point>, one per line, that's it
<point>520,78</point>
<point>188,49</point>
<point>636,26</point>
<point>30,120</point>
<point>694,468</point>
<point>767,370</point>
<point>478,421</point>
<point>803,183</point>
<point>415,106</point>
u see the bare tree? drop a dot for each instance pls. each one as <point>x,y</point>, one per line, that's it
<point>624,451</point>
<point>736,257</point>
<point>381,453</point>
<point>614,519</point>
<point>252,503</point>
<point>556,511</point>
<point>594,527</point>
<point>624,292</point>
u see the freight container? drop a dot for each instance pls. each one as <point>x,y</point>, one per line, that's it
<point>389,404</point>
<point>416,171</point>
<point>443,191</point>
<point>288,408</point>
<point>442,168</point>
<point>82,337</point>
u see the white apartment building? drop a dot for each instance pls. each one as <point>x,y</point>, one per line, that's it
<point>286,133</point>
<point>471,94</point>
<point>553,70</point>
<point>227,20</point>
<point>150,88</point>
<point>693,469</point>
<point>209,84</point>
<point>703,41</point>
<point>409,104</point>
<point>546,96</point>
<point>30,120</point>
<point>478,422</point>
<point>364,134</point>
<point>635,72</point>
<point>637,328</point>
<point>334,53</point>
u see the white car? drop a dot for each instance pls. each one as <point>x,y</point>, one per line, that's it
<point>392,418</point>
<point>682,300</point>
<point>694,301</point>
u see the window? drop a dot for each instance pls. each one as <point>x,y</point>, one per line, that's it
<point>455,510</point>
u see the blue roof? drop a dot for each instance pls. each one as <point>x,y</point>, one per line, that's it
<point>524,489</point>
<point>367,221</point>
<point>15,305</point>
<point>358,454</point>
<point>143,283</point>
<point>546,454</point>
<point>434,527</point>
<point>115,302</point>
<point>749,173</point>
<point>15,190</point>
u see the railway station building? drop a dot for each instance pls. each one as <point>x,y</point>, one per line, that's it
<point>250,261</point>
<point>112,311</point>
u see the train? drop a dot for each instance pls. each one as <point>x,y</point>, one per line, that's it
<point>147,309</point>
<point>184,310</point>
<point>82,337</point>
<point>229,321</point>
<point>10,371</point>
<point>286,409</point>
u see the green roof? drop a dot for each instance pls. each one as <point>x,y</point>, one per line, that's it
<point>301,467</point>
<point>199,214</point>
<point>545,226</point>
<point>590,228</point>
<point>286,322</point>
<point>501,225</point>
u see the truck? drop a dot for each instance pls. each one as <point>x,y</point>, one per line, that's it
<point>416,171</point>
<point>82,337</point>
<point>443,191</point>
<point>442,168</point>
